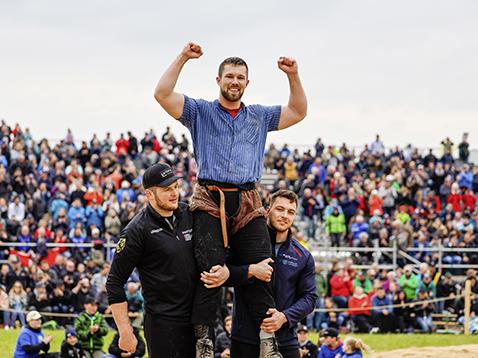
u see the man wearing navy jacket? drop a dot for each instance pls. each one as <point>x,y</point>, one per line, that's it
<point>293,285</point>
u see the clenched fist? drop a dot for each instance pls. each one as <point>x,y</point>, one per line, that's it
<point>192,50</point>
<point>128,342</point>
<point>288,65</point>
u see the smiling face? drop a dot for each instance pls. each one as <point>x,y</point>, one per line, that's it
<point>282,214</point>
<point>232,82</point>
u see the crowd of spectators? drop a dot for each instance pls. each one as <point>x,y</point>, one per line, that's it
<point>379,300</point>
<point>375,197</point>
<point>85,192</point>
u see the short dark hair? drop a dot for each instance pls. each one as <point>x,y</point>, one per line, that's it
<point>284,194</point>
<point>235,61</point>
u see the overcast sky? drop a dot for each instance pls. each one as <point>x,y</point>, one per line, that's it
<point>405,69</point>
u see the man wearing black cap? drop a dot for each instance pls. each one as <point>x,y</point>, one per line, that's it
<point>331,344</point>
<point>158,243</point>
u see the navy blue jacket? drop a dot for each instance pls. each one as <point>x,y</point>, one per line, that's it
<point>294,290</point>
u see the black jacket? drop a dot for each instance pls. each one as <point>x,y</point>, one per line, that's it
<point>164,257</point>
<point>69,351</point>
<point>311,347</point>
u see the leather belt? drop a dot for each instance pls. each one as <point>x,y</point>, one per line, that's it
<point>222,208</point>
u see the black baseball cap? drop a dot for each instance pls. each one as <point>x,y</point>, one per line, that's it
<point>91,300</point>
<point>302,328</point>
<point>329,332</point>
<point>159,175</point>
<point>70,332</point>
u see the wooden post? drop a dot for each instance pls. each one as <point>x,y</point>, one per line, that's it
<point>467,306</point>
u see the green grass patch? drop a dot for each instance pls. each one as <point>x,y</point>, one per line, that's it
<point>390,342</point>
<point>8,340</point>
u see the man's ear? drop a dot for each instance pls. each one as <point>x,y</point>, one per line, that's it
<point>218,80</point>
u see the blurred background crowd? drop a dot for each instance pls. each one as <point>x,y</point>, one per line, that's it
<point>80,194</point>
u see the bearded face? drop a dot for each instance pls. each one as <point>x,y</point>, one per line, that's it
<point>233,82</point>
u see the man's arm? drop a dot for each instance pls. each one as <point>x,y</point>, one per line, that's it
<point>243,275</point>
<point>127,256</point>
<point>296,109</point>
<point>305,303</point>
<point>171,101</point>
<point>127,340</point>
<point>215,277</point>
<point>306,293</point>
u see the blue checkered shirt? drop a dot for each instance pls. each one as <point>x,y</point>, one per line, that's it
<point>227,149</point>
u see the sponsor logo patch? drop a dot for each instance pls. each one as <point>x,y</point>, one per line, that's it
<point>121,244</point>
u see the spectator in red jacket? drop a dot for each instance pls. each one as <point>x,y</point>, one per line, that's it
<point>122,145</point>
<point>341,287</point>
<point>359,311</point>
<point>455,198</point>
<point>375,202</point>
<point>469,200</point>
<point>432,202</point>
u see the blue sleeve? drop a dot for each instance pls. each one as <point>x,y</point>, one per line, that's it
<point>306,293</point>
<point>24,339</point>
<point>375,304</point>
<point>271,117</point>
<point>389,302</point>
<point>190,111</point>
<point>238,276</point>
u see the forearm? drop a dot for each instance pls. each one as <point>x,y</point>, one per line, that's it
<point>120,315</point>
<point>301,308</point>
<point>168,80</point>
<point>297,98</point>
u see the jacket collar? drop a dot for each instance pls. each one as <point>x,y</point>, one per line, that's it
<point>273,235</point>
<point>160,219</point>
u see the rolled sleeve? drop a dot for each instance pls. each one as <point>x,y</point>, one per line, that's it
<point>272,117</point>
<point>190,111</point>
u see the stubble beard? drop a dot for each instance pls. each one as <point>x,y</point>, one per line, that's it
<point>165,205</point>
<point>232,98</point>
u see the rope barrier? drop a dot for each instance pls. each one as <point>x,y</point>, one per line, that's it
<point>401,305</point>
<point>53,314</point>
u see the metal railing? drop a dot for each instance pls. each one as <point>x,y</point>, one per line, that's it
<point>319,253</point>
<point>404,255</point>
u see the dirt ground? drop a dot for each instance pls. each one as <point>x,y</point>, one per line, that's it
<point>466,351</point>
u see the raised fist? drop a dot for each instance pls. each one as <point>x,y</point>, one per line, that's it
<point>288,65</point>
<point>192,50</point>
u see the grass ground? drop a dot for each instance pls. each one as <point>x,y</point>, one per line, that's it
<point>388,342</point>
<point>379,343</point>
